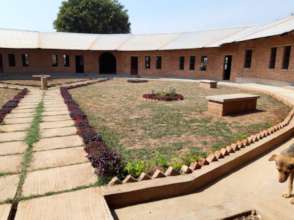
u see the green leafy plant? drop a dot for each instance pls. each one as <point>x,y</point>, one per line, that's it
<point>161,160</point>
<point>135,168</point>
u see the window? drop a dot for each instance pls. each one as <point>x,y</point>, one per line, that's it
<point>182,63</point>
<point>65,60</point>
<point>192,62</point>
<point>54,60</point>
<point>158,62</point>
<point>11,59</point>
<point>248,59</point>
<point>203,64</point>
<point>286,57</point>
<point>25,59</point>
<point>147,62</point>
<point>272,63</point>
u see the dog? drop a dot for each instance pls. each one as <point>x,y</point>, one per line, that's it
<point>285,167</point>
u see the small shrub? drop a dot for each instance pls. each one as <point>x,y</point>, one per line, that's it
<point>135,168</point>
<point>161,160</point>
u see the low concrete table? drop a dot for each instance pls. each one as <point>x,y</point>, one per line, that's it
<point>233,104</point>
<point>44,80</point>
<point>208,84</point>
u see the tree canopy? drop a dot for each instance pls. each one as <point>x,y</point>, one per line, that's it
<point>92,16</point>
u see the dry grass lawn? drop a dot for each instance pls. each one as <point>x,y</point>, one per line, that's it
<point>143,129</point>
<point>6,95</point>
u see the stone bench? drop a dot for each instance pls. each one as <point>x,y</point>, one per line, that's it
<point>44,80</point>
<point>233,104</point>
<point>208,84</point>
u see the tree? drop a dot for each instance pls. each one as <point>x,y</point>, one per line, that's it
<point>92,16</point>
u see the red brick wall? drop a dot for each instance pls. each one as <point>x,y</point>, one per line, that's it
<point>40,61</point>
<point>261,57</point>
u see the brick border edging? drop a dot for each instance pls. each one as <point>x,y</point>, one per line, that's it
<point>12,103</point>
<point>227,161</point>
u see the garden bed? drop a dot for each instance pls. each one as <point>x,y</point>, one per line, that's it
<point>137,80</point>
<point>9,100</point>
<point>150,135</point>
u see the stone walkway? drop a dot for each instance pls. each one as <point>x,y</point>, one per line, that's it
<point>12,145</point>
<point>59,164</point>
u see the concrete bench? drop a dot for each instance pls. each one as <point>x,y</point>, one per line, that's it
<point>208,84</point>
<point>44,80</point>
<point>233,104</point>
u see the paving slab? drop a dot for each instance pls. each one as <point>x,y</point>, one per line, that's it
<point>19,115</point>
<point>16,147</point>
<point>20,111</point>
<point>10,164</point>
<point>54,109</point>
<point>58,132</point>
<point>12,136</point>
<point>52,113</point>
<point>8,186</point>
<point>14,127</point>
<point>85,204</point>
<point>58,142</point>
<point>18,120</point>
<point>61,124</point>
<point>58,158</point>
<point>58,179</point>
<point>56,118</point>
<point>25,107</point>
<point>4,211</point>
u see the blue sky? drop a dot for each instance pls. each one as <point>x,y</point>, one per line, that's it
<point>156,16</point>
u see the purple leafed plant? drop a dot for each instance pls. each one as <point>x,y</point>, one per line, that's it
<point>11,104</point>
<point>107,162</point>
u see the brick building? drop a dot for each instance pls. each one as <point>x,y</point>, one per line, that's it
<point>262,53</point>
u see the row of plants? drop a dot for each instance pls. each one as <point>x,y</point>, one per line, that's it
<point>165,95</point>
<point>85,83</point>
<point>106,161</point>
<point>11,104</point>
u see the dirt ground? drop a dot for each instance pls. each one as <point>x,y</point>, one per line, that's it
<point>141,128</point>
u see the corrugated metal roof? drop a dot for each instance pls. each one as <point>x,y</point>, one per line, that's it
<point>147,42</point>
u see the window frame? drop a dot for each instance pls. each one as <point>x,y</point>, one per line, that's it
<point>286,57</point>
<point>203,63</point>
<point>182,63</point>
<point>248,58</point>
<point>158,62</point>
<point>273,58</point>
<point>54,60</point>
<point>66,60</point>
<point>25,59</point>
<point>192,63</point>
<point>147,61</point>
<point>11,60</point>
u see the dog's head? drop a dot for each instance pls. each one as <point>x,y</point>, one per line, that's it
<point>284,165</point>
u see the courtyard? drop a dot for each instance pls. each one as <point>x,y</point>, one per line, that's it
<point>42,149</point>
<point>157,134</point>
